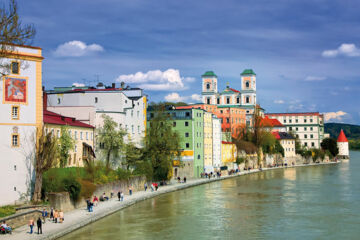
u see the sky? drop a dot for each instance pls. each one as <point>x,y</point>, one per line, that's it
<point>306,54</point>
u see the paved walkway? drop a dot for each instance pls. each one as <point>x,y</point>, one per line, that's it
<point>80,217</point>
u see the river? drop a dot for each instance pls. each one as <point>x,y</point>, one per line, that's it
<point>315,202</point>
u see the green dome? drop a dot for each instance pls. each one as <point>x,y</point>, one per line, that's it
<point>209,74</point>
<point>248,72</point>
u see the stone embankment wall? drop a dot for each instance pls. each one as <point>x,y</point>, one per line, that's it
<point>22,218</point>
<point>62,201</point>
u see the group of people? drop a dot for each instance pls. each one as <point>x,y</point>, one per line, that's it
<point>179,180</point>
<point>55,216</point>
<point>5,228</point>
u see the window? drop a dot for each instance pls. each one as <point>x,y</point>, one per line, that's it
<point>208,86</point>
<point>311,128</point>
<point>81,136</point>
<point>227,120</point>
<point>247,84</point>
<point>218,100</point>
<point>237,100</point>
<point>311,120</point>
<point>138,113</point>
<point>187,134</point>
<point>247,100</point>
<point>69,132</point>
<point>198,156</point>
<point>92,136</point>
<point>311,136</point>
<point>312,144</point>
<point>305,120</point>
<point>59,100</point>
<point>305,135</point>
<point>305,144</point>
<point>290,128</point>
<point>15,68</point>
<point>290,120</point>
<point>96,100</point>
<point>14,167</point>
<point>75,135</point>
<point>305,128</point>
<point>227,100</point>
<point>208,100</point>
<point>186,123</point>
<point>187,114</point>
<point>297,128</point>
<point>58,133</point>
<point>87,136</point>
<point>132,129</point>
<point>75,148</point>
<point>221,111</point>
<point>174,124</point>
<point>132,113</point>
<point>187,145</point>
<point>15,112</point>
<point>151,115</point>
<point>15,140</point>
<point>284,120</point>
<point>296,120</point>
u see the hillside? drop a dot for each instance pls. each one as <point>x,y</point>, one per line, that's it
<point>351,131</point>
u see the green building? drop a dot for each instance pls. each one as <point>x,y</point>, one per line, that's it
<point>189,123</point>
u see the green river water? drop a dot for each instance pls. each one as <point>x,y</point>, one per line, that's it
<point>316,202</point>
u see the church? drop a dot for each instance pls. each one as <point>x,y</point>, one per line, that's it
<point>230,97</point>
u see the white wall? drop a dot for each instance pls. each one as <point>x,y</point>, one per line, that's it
<point>343,148</point>
<point>216,142</point>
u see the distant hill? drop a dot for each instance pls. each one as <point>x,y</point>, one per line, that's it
<point>351,131</point>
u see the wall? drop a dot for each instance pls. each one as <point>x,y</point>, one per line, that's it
<point>20,219</point>
<point>85,114</point>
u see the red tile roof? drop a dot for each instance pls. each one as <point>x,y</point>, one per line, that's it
<point>54,118</point>
<point>224,142</point>
<point>342,137</point>
<point>276,135</point>
<point>270,122</point>
<point>234,90</point>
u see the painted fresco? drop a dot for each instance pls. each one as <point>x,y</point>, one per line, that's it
<point>15,90</point>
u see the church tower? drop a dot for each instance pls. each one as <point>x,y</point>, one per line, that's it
<point>343,146</point>
<point>248,87</point>
<point>209,87</point>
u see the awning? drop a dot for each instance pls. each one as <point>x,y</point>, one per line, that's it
<point>91,149</point>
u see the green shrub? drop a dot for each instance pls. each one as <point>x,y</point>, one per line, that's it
<point>73,187</point>
<point>7,211</point>
<point>123,174</point>
<point>87,188</point>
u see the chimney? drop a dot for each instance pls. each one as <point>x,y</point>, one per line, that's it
<point>113,85</point>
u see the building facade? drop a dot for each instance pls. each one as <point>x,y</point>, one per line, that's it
<point>343,146</point>
<point>308,127</point>
<point>208,142</point>
<point>81,133</point>
<point>21,114</point>
<point>216,143</point>
<point>228,155</point>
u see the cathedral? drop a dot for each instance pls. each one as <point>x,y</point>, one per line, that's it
<point>230,97</point>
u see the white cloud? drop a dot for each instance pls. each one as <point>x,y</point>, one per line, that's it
<point>175,97</point>
<point>168,80</point>
<point>78,84</point>
<point>345,49</point>
<point>314,78</point>
<point>279,101</point>
<point>77,49</point>
<point>334,115</point>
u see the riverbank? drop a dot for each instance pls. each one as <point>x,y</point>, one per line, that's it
<point>80,217</point>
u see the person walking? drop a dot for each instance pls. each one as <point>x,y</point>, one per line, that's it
<point>39,225</point>
<point>56,215</point>
<point>44,214</point>
<point>122,196</point>
<point>145,186</point>
<point>184,179</point>
<point>61,216</point>
<point>52,214</point>
<point>130,190</point>
<point>119,195</point>
<point>31,225</point>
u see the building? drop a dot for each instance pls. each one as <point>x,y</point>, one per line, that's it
<point>343,146</point>
<point>232,118</point>
<point>216,143</point>
<point>21,114</point>
<point>228,155</point>
<point>272,124</point>
<point>189,123</point>
<point>208,142</point>
<point>287,141</point>
<point>81,133</point>
<point>244,99</point>
<point>308,127</point>
<point>127,107</point>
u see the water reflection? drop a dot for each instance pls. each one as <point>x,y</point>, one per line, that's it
<point>320,202</point>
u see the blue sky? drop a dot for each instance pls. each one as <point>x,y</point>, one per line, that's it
<point>306,53</point>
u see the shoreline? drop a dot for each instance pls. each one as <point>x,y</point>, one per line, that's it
<point>79,218</point>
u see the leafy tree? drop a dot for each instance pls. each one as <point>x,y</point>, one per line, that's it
<point>132,155</point>
<point>111,140</point>
<point>66,145</point>
<point>279,148</point>
<point>162,144</point>
<point>331,145</point>
<point>12,31</point>
<point>47,151</point>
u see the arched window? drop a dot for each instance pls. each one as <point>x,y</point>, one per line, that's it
<point>247,84</point>
<point>208,86</point>
<point>218,100</point>
<point>199,156</point>
<point>208,100</point>
<point>247,100</point>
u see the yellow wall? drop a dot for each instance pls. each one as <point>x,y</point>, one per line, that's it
<point>75,159</point>
<point>228,153</point>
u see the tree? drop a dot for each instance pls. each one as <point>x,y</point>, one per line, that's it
<point>132,155</point>
<point>12,31</point>
<point>331,145</point>
<point>66,144</point>
<point>162,144</point>
<point>111,140</point>
<point>47,151</point>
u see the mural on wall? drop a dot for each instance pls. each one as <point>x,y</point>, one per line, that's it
<point>15,90</point>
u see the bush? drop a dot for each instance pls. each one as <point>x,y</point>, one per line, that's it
<point>123,174</point>
<point>73,187</point>
<point>7,211</point>
<point>87,188</point>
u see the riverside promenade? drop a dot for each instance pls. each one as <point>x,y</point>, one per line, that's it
<point>80,217</point>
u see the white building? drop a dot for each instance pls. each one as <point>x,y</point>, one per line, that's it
<point>343,145</point>
<point>216,142</point>
<point>126,106</point>
<point>21,114</point>
<point>308,127</point>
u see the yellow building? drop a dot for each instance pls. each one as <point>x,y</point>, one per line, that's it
<point>228,154</point>
<point>82,133</point>
<point>208,142</point>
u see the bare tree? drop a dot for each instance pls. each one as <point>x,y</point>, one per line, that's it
<point>12,31</point>
<point>46,155</point>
